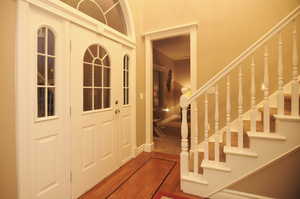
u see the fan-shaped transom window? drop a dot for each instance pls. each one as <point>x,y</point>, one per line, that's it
<point>108,12</point>
<point>126,80</point>
<point>45,73</point>
<point>96,79</point>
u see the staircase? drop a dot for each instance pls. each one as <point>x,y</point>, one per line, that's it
<point>238,143</point>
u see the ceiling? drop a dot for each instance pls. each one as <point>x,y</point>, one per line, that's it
<point>176,48</point>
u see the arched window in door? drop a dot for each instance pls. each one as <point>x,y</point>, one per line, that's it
<point>45,73</point>
<point>96,79</point>
<point>108,12</point>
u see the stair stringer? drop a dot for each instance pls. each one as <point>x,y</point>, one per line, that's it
<point>268,151</point>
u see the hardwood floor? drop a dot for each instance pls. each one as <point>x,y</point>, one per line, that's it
<point>142,178</point>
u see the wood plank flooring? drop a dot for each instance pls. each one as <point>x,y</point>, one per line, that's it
<point>141,178</point>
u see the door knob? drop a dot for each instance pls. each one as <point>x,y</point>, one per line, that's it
<point>117,111</point>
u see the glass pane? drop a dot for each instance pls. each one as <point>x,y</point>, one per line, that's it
<point>41,42</point>
<point>106,61</point>
<point>87,57</point>
<point>124,78</point>
<point>72,3</point>
<point>98,62</point>
<point>91,9</point>
<point>102,52</point>
<point>106,100</point>
<point>51,101</point>
<point>97,76</point>
<point>94,50</point>
<point>87,99</point>
<point>106,78</point>
<point>41,102</point>
<point>87,74</point>
<point>127,79</point>
<point>106,4</point>
<point>51,71</point>
<point>127,96</point>
<point>51,43</point>
<point>124,96</point>
<point>41,70</point>
<point>98,98</point>
<point>125,64</point>
<point>115,19</point>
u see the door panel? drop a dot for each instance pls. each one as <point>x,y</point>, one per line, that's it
<point>94,132</point>
<point>47,139</point>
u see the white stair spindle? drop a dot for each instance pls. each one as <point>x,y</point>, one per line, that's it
<point>240,111</point>
<point>253,98</point>
<point>228,111</point>
<point>184,156</point>
<point>295,83</point>
<point>217,132</point>
<point>206,128</point>
<point>196,153</point>
<point>266,119</point>
<point>280,95</point>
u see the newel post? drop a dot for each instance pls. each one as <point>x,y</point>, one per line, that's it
<point>184,155</point>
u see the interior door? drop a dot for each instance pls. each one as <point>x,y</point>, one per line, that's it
<point>48,162</point>
<point>95,78</point>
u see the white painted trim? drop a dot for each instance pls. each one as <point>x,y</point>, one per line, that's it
<point>266,164</point>
<point>67,12</point>
<point>187,29</point>
<point>288,118</point>
<point>22,121</point>
<point>245,54</point>
<point>139,150</point>
<point>149,147</point>
<point>232,194</point>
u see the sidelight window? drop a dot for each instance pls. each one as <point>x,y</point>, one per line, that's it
<point>126,80</point>
<point>46,84</point>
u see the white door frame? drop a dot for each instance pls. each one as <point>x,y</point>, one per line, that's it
<point>187,29</point>
<point>22,81</point>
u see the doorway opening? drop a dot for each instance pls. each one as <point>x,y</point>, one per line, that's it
<point>171,79</point>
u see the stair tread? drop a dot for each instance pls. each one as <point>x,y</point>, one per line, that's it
<point>200,179</point>
<point>263,135</point>
<point>239,151</point>
<point>215,166</point>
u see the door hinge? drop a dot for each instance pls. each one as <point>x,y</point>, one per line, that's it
<point>70,110</point>
<point>71,176</point>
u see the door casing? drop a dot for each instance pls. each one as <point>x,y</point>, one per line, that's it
<point>187,29</point>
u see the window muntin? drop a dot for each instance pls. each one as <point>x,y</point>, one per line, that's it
<point>126,80</point>
<point>96,79</point>
<point>45,82</point>
<point>108,12</point>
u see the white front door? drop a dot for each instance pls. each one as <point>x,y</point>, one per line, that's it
<point>47,158</point>
<point>96,104</point>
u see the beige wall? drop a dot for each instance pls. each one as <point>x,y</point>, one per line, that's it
<point>8,184</point>
<point>226,28</point>
<point>278,180</point>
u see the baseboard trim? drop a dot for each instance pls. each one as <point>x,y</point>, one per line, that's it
<point>139,150</point>
<point>232,194</point>
<point>148,147</point>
